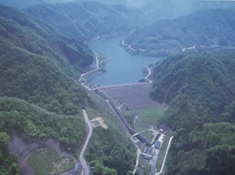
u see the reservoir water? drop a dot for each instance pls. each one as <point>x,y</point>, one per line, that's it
<point>121,67</point>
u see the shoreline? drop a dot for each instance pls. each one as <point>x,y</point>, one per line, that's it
<point>97,70</point>
<point>91,71</point>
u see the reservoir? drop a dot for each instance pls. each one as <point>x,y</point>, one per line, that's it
<point>121,67</point>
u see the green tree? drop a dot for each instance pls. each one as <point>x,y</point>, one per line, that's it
<point>4,138</point>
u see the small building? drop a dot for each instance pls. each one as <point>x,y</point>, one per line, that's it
<point>157,144</point>
<point>157,137</point>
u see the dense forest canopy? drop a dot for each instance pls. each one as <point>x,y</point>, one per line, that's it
<point>36,93</point>
<point>39,39</point>
<point>199,86</point>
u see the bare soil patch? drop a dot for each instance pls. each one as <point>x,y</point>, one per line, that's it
<point>98,121</point>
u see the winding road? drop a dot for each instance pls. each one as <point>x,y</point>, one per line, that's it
<point>96,68</point>
<point>85,166</point>
<point>148,75</point>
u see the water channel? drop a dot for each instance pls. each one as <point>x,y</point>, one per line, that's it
<point>121,67</point>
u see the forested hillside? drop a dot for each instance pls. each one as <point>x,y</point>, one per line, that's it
<point>36,94</point>
<point>39,96</point>
<point>35,63</point>
<point>199,87</point>
<point>110,154</point>
<point>205,28</point>
<point>87,20</point>
<point>40,39</point>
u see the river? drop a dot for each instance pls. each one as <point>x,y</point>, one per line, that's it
<point>121,67</point>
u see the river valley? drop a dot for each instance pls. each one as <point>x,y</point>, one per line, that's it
<point>119,86</point>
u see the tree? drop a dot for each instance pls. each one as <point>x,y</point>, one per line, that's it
<point>4,138</point>
<point>129,173</point>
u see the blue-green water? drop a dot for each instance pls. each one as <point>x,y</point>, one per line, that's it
<point>122,67</point>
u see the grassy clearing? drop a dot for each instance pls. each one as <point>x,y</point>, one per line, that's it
<point>147,135</point>
<point>139,127</point>
<point>47,162</point>
<point>148,117</point>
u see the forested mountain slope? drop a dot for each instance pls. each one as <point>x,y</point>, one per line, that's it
<point>199,87</point>
<point>206,28</point>
<point>33,59</point>
<point>86,20</point>
<point>38,95</point>
<point>40,39</point>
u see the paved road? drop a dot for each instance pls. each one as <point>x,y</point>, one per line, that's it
<point>139,152</point>
<point>164,160</point>
<point>96,68</point>
<point>86,169</point>
<point>149,73</point>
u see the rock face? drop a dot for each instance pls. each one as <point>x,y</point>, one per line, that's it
<point>22,147</point>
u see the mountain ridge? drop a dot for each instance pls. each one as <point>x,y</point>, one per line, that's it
<point>41,38</point>
<point>206,28</point>
<point>86,20</point>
